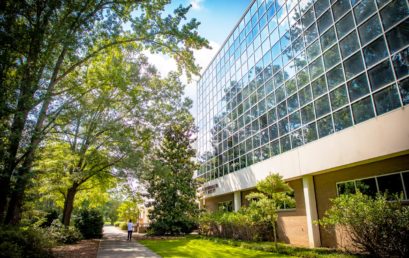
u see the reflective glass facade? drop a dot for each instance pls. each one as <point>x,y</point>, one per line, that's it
<point>294,71</point>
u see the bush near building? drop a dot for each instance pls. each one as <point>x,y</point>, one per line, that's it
<point>378,226</point>
<point>234,225</point>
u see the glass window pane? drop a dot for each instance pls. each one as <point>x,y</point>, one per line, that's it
<point>404,90</point>
<point>380,75</point>
<point>316,68</point>
<point>394,12</point>
<point>285,143</point>
<point>398,37</point>
<point>290,86</point>
<point>386,100</point>
<point>307,114</point>
<point>335,76</point>
<point>275,147</point>
<point>313,50</point>
<point>319,86</point>
<point>280,94</point>
<point>328,38</point>
<point>349,44</point>
<point>302,77</point>
<point>346,188</point>
<point>282,109</point>
<point>322,106</point>
<point>311,34</point>
<point>331,57</point>
<point>296,138</point>
<point>362,110</point>
<point>375,51</point>
<point>340,7</point>
<point>358,87</point>
<point>283,126</point>
<point>390,184</point>
<point>292,103</point>
<point>367,186</point>
<point>339,97</point>
<point>273,132</point>
<point>320,6</point>
<point>305,95</point>
<point>345,25</point>
<point>406,182</point>
<point>401,63</point>
<point>353,65</point>
<point>309,133</point>
<point>363,10</point>
<point>324,21</point>
<point>369,30</point>
<point>342,119</point>
<point>295,121</point>
<point>325,126</point>
<point>308,18</point>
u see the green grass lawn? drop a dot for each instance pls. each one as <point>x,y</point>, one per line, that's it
<point>193,246</point>
<point>200,248</point>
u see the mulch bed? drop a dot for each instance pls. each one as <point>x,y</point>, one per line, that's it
<point>83,249</point>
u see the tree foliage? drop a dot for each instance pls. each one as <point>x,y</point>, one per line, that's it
<point>119,104</point>
<point>273,191</point>
<point>377,226</point>
<point>44,44</point>
<point>170,184</point>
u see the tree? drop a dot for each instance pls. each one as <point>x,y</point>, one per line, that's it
<point>273,192</point>
<point>171,184</point>
<point>43,42</point>
<point>105,132</point>
<point>128,210</point>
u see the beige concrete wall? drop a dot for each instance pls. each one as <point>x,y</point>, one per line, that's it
<point>325,189</point>
<point>292,225</point>
<point>211,204</point>
<point>373,139</point>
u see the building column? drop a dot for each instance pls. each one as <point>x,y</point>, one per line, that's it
<point>237,201</point>
<point>311,211</point>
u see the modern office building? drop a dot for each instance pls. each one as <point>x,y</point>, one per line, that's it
<point>317,91</point>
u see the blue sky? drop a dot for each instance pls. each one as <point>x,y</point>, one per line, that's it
<point>218,18</point>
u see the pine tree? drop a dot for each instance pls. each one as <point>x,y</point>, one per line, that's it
<point>171,185</point>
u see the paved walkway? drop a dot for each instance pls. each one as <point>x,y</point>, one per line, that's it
<point>114,244</point>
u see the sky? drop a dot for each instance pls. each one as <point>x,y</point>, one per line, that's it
<point>217,18</point>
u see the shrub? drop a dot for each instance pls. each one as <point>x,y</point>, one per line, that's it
<point>49,218</point>
<point>63,235</point>
<point>90,223</point>
<point>375,225</point>
<point>116,224</point>
<point>234,225</point>
<point>123,226</point>
<point>18,243</point>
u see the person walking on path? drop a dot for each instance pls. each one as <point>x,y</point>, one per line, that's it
<point>130,229</point>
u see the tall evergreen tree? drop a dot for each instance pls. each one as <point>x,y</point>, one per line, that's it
<point>171,184</point>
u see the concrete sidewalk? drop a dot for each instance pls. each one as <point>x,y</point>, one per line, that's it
<point>114,244</point>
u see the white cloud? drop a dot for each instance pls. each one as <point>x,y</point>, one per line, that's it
<point>165,64</point>
<point>196,4</point>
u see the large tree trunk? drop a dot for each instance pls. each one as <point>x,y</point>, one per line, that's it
<point>69,204</point>
<point>16,200</point>
<point>10,162</point>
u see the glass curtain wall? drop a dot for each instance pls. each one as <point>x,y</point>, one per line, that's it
<point>294,71</point>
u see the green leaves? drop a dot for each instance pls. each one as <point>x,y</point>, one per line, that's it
<point>375,225</point>
<point>170,183</point>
